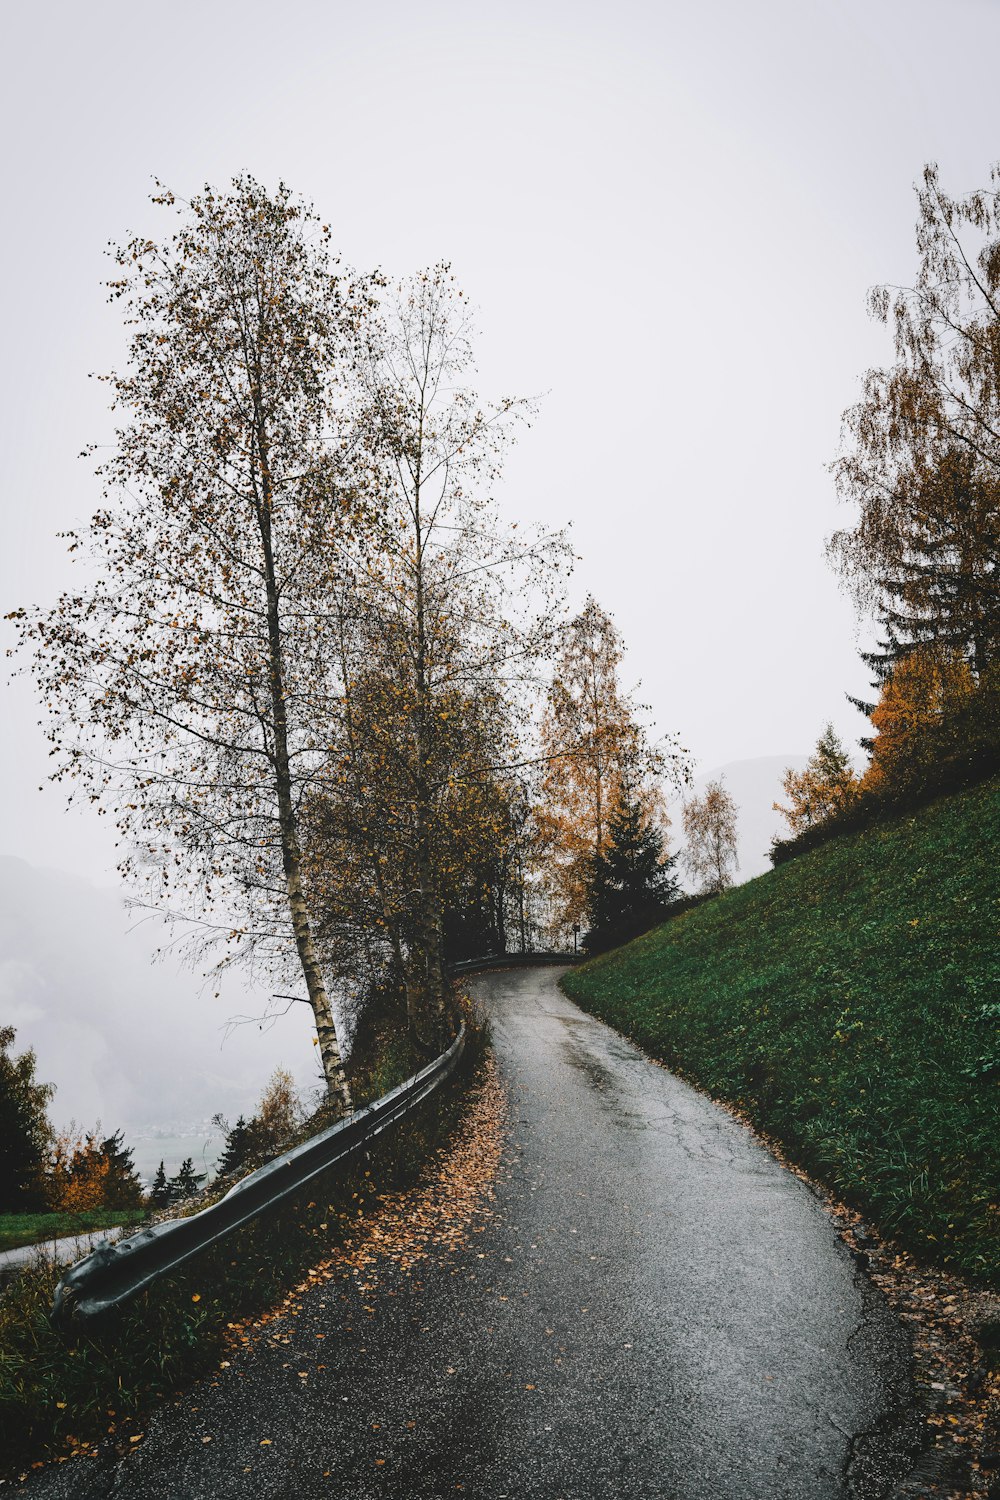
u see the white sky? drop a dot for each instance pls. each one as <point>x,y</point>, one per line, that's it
<point>667,214</point>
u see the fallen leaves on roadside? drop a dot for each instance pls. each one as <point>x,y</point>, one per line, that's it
<point>436,1217</point>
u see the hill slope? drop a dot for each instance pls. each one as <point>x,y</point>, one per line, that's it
<point>849,1001</point>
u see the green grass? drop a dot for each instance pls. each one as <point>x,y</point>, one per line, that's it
<point>849,1002</point>
<point>34,1229</point>
<point>60,1392</point>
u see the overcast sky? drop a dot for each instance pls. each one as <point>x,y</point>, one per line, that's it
<point>668,215</point>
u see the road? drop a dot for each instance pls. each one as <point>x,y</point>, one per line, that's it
<point>657,1309</point>
<point>65,1248</point>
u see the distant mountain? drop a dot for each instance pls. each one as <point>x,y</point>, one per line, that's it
<point>755,785</point>
<point>123,1037</point>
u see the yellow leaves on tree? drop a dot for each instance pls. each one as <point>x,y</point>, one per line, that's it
<point>594,746</point>
<point>827,784</point>
<point>86,1170</point>
<point>922,690</point>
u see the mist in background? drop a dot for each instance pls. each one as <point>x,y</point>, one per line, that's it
<point>128,1039</point>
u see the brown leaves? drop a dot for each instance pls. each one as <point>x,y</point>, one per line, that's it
<point>435,1218</point>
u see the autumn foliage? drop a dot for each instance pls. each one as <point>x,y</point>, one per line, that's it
<point>825,787</point>
<point>921,467</point>
<point>596,755</point>
<point>299,671</point>
<point>87,1171</point>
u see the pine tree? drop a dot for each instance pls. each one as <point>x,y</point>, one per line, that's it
<point>25,1132</point>
<point>187,1181</point>
<point>939,588</point>
<point>631,878</point>
<point>123,1188</point>
<point>238,1148</point>
<point>159,1192</point>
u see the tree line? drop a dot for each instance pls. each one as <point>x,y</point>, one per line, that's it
<point>921,465</point>
<point>74,1170</point>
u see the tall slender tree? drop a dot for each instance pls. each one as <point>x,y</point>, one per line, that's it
<point>710,823</point>
<point>451,616</point>
<point>187,683</point>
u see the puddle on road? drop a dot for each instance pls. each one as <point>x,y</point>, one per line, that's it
<point>601,1079</point>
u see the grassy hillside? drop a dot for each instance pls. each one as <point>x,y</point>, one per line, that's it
<point>34,1229</point>
<point>850,1002</point>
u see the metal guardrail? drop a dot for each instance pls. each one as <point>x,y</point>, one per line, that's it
<point>533,957</point>
<point>114,1273</point>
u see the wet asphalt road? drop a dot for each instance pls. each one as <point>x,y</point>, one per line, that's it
<point>658,1309</point>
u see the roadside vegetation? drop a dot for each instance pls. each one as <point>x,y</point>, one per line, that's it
<point>35,1229</point>
<point>61,1393</point>
<point>849,1003</point>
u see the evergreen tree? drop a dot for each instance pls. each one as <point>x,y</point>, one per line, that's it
<point>631,878</point>
<point>238,1149</point>
<point>159,1193</point>
<point>123,1188</point>
<point>25,1133</point>
<point>940,587</point>
<point>187,1181</point>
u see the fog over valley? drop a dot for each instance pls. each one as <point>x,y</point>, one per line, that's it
<point>127,1039</point>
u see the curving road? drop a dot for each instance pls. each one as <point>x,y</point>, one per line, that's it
<point>657,1310</point>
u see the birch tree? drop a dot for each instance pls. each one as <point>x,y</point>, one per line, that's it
<point>187,683</point>
<point>710,827</point>
<point>459,605</point>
